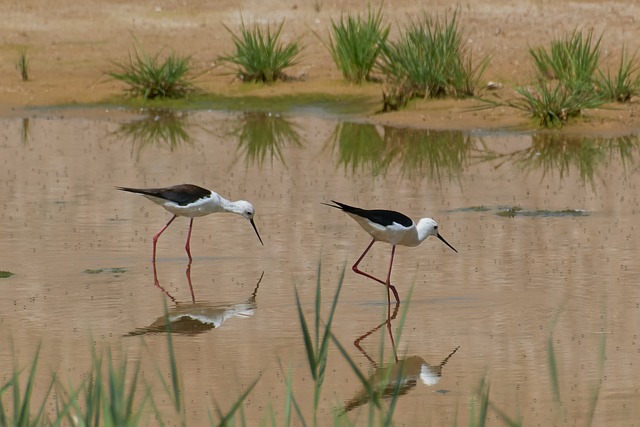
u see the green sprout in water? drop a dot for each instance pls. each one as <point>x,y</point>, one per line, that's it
<point>116,271</point>
<point>5,274</point>
<point>22,64</point>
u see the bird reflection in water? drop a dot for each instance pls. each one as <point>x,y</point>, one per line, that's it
<point>197,317</point>
<point>399,377</point>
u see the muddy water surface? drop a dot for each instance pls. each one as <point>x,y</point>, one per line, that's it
<point>546,229</point>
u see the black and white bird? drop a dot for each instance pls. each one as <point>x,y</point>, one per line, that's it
<point>391,227</point>
<point>192,201</point>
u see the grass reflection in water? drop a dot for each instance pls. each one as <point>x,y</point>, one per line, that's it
<point>263,135</point>
<point>418,152</point>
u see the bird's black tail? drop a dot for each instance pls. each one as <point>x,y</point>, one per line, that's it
<point>343,207</point>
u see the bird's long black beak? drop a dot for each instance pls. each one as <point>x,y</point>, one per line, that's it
<point>253,224</point>
<point>439,237</point>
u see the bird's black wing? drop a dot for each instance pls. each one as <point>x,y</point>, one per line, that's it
<point>182,194</point>
<point>379,216</point>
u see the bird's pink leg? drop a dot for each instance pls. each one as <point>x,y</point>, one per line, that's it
<point>188,245</point>
<point>155,238</point>
<point>387,283</point>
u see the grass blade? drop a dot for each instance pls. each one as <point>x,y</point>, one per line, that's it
<point>308,345</point>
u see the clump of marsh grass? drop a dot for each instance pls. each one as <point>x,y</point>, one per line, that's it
<point>566,81</point>
<point>572,60</point>
<point>22,64</point>
<point>554,103</point>
<point>316,340</point>
<point>431,59</point>
<point>625,84</point>
<point>156,76</point>
<point>110,395</point>
<point>5,274</point>
<point>260,55</point>
<point>356,42</point>
<point>20,414</point>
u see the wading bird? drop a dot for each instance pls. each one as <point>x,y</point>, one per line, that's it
<point>192,201</point>
<point>391,227</point>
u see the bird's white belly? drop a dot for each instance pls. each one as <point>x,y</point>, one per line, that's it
<point>191,211</point>
<point>393,234</point>
<point>199,208</point>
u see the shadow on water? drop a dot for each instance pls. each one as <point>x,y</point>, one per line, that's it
<point>559,153</point>
<point>399,377</point>
<point>157,126</point>
<point>263,136</point>
<point>423,153</point>
<point>194,318</point>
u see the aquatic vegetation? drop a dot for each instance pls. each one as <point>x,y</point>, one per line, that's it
<point>480,208</point>
<point>509,212</point>
<point>22,64</point>
<point>114,393</point>
<point>114,270</point>
<point>519,211</point>
<point>5,274</point>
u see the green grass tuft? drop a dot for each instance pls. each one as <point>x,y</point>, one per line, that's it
<point>572,60</point>
<point>156,76</point>
<point>625,84</point>
<point>260,55</point>
<point>431,59</point>
<point>355,44</point>
<point>566,81</point>
<point>554,103</point>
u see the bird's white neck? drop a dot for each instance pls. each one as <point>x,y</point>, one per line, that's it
<point>423,229</point>
<point>229,206</point>
<point>217,203</point>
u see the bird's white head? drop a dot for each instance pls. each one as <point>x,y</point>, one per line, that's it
<point>246,209</point>
<point>429,227</point>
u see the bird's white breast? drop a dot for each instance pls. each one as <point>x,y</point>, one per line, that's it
<point>200,207</point>
<point>394,234</point>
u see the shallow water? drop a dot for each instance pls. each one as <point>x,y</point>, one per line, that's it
<point>546,229</point>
